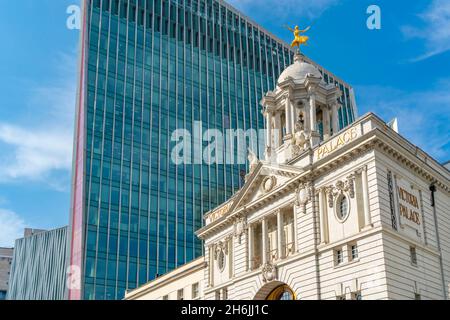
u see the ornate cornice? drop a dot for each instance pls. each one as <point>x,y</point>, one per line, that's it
<point>419,168</point>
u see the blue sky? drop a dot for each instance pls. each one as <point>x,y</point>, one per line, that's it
<point>399,71</point>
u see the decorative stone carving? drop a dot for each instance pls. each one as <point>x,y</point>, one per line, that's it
<point>253,160</point>
<point>339,188</point>
<point>221,246</point>
<point>268,184</point>
<point>240,228</point>
<point>304,195</point>
<point>269,272</point>
<point>300,140</point>
<point>350,185</point>
<point>330,196</point>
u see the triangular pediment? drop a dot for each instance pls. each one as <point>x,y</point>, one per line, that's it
<point>265,179</point>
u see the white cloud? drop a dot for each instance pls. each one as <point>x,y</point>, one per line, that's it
<point>435,33</point>
<point>286,9</point>
<point>38,146</point>
<point>424,116</point>
<point>36,152</point>
<point>11,228</point>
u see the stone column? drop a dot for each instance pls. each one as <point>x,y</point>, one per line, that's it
<point>264,241</point>
<point>315,136</point>
<point>306,107</point>
<point>230,257</point>
<point>312,112</point>
<point>250,247</point>
<point>365,192</point>
<point>280,234</point>
<point>322,217</point>
<point>335,117</point>
<point>269,133</point>
<point>269,129</point>
<point>278,131</point>
<point>288,115</point>
<point>295,229</point>
<point>326,123</point>
<point>211,266</point>
<point>293,116</point>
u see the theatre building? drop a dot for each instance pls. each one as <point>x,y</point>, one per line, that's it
<point>357,213</point>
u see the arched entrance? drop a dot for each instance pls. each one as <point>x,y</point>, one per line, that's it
<point>276,290</point>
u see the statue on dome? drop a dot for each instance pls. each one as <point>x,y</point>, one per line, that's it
<point>299,39</point>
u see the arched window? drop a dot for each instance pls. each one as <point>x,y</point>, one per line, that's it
<point>283,292</point>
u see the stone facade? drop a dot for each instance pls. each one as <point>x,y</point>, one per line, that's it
<point>356,214</point>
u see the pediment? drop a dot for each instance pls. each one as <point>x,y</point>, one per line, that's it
<point>264,180</point>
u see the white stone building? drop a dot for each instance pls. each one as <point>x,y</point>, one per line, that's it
<point>356,214</point>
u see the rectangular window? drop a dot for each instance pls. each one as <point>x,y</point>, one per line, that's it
<point>339,255</point>
<point>354,251</point>
<point>195,291</point>
<point>180,294</point>
<point>417,296</point>
<point>218,295</point>
<point>166,297</point>
<point>413,254</point>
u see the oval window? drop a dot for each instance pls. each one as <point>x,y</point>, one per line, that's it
<point>342,210</point>
<point>221,260</point>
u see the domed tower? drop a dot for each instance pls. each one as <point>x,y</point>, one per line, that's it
<point>301,111</point>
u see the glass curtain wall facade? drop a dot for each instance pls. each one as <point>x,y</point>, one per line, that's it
<point>149,67</point>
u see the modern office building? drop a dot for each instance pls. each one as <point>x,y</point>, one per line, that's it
<point>39,266</point>
<point>147,68</point>
<point>362,215</point>
<point>6,256</point>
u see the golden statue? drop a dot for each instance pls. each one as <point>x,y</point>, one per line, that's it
<point>299,40</point>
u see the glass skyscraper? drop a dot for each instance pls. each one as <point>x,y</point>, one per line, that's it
<point>147,68</point>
